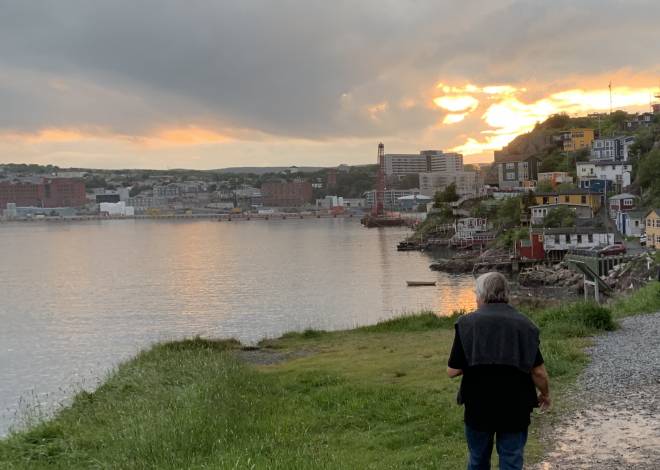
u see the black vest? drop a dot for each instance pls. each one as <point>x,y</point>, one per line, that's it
<point>497,334</point>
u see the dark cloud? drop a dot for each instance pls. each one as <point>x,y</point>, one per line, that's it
<point>293,68</point>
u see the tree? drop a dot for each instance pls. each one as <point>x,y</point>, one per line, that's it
<point>561,216</point>
<point>509,212</point>
<point>649,177</point>
<point>544,187</point>
<point>447,195</point>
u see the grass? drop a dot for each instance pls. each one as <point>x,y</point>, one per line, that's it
<point>644,300</point>
<point>372,397</point>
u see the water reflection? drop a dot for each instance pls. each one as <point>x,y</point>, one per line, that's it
<point>76,299</point>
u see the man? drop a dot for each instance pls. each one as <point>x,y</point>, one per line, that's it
<point>496,350</point>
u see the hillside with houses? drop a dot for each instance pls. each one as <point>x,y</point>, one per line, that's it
<point>574,188</point>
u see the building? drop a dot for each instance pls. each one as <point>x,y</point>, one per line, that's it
<point>619,173</point>
<point>413,201</point>
<point>143,202</point>
<point>597,185</point>
<point>390,197</point>
<point>116,209</point>
<point>167,191</point>
<point>111,195</point>
<point>286,193</point>
<point>513,170</point>
<point>468,227</point>
<point>577,139</point>
<point>330,202</point>
<point>612,148</point>
<point>637,121</point>
<point>555,242</point>
<point>538,213</point>
<point>653,229</point>
<point>43,192</point>
<point>572,197</point>
<point>555,178</point>
<point>621,203</point>
<point>399,165</point>
<point>355,203</point>
<point>564,239</point>
<point>15,212</point>
<point>467,182</point>
<point>631,223</point>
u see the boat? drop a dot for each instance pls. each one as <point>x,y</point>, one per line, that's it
<point>420,283</point>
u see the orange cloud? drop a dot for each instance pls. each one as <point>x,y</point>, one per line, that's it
<point>188,135</point>
<point>48,135</point>
<point>456,104</point>
<point>506,114</point>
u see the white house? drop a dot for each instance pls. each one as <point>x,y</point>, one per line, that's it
<point>619,173</point>
<point>562,239</point>
<point>329,202</point>
<point>116,208</point>
<point>469,226</point>
<point>631,223</point>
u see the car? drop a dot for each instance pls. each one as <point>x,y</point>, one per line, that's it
<point>611,250</point>
<point>642,240</point>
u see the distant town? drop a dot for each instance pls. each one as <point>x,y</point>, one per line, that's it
<point>580,179</point>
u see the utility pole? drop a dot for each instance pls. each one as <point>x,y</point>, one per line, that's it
<point>610,87</point>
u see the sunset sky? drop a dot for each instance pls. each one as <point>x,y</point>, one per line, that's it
<point>214,84</point>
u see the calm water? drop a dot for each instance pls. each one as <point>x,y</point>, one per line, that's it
<point>75,299</point>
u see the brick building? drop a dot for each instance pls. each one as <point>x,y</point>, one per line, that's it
<point>49,192</point>
<point>286,193</point>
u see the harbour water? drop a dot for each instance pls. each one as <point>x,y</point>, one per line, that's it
<point>78,298</point>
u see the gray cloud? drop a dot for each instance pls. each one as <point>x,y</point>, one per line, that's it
<point>287,67</point>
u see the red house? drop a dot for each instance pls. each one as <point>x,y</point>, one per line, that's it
<point>531,248</point>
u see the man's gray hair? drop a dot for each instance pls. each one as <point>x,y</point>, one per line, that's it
<point>492,288</point>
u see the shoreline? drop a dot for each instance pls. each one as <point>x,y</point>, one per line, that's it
<point>394,365</point>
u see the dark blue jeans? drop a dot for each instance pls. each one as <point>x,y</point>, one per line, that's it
<point>510,448</point>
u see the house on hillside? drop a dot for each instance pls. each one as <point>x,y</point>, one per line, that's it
<point>575,197</point>
<point>513,170</point>
<point>555,177</point>
<point>631,223</point>
<point>554,243</point>
<point>538,213</point>
<point>576,139</point>
<point>611,148</point>
<point>619,173</point>
<point>653,228</point>
<point>638,120</point>
<point>621,203</point>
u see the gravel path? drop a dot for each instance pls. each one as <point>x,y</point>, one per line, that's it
<point>616,424</point>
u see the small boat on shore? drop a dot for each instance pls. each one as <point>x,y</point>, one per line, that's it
<point>420,283</point>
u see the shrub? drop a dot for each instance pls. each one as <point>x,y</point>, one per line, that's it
<point>576,320</point>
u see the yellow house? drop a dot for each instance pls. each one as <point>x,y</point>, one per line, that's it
<point>569,196</point>
<point>578,139</point>
<point>653,228</point>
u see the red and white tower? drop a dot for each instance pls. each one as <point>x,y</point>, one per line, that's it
<point>378,207</point>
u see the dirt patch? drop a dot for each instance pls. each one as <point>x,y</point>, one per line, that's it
<point>616,422</point>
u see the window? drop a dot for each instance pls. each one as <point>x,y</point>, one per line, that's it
<point>590,237</point>
<point>557,239</point>
<point>545,200</point>
<point>583,199</point>
<point>568,238</point>
<point>627,202</point>
<point>579,238</point>
<point>567,198</point>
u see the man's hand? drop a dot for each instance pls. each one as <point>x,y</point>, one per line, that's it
<point>451,372</point>
<point>545,402</point>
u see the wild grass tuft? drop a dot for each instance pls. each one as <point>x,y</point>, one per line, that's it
<point>424,321</point>
<point>644,300</point>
